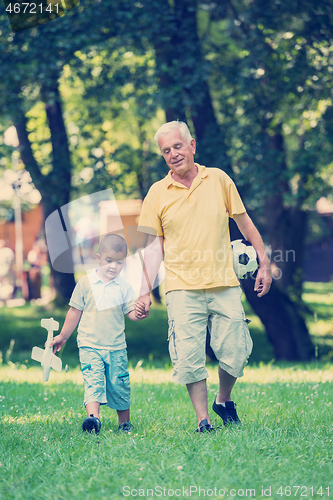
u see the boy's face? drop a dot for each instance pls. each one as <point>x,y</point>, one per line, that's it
<point>111,263</point>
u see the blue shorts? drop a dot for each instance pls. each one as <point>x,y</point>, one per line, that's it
<point>106,377</point>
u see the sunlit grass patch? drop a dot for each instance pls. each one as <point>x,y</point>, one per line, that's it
<point>286,435</point>
<point>312,372</point>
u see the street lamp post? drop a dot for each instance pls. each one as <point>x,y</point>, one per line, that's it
<point>11,139</point>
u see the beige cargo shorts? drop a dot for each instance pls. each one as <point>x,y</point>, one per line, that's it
<point>190,313</point>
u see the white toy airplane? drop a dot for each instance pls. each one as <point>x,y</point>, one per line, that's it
<point>45,356</point>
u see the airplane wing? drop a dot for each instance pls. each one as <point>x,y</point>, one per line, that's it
<point>56,363</point>
<point>37,353</point>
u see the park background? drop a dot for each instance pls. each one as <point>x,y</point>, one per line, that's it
<point>84,95</point>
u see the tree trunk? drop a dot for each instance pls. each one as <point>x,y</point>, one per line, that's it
<point>286,231</point>
<point>281,317</point>
<point>184,88</point>
<point>285,327</point>
<point>286,228</point>
<point>211,149</point>
<point>55,187</point>
<point>167,64</point>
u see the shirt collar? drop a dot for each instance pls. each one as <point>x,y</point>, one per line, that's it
<point>94,278</point>
<point>202,173</point>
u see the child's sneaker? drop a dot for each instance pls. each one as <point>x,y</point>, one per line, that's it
<point>125,427</point>
<point>91,423</point>
<point>227,411</point>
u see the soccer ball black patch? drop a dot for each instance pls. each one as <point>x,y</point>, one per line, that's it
<point>243,259</point>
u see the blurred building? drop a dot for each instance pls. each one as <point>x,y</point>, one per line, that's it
<point>123,213</point>
<point>32,224</point>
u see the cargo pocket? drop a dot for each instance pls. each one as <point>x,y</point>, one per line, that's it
<point>172,341</point>
<point>123,378</point>
<point>247,339</point>
<point>122,394</point>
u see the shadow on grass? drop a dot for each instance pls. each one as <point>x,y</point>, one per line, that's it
<point>147,339</point>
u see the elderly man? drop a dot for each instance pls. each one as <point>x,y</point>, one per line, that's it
<point>187,216</point>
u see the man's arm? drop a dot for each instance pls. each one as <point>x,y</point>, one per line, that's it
<point>251,233</point>
<point>152,260</point>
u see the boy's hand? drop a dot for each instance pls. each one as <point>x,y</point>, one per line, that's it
<point>140,310</point>
<point>57,343</point>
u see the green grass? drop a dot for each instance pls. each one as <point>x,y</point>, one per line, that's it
<point>285,440</point>
<point>147,340</point>
<point>319,298</point>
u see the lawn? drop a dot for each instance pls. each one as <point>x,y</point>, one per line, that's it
<point>283,448</point>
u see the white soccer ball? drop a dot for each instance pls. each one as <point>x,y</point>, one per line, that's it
<point>244,258</point>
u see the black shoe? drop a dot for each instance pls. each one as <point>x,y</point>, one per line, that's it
<point>228,412</point>
<point>125,427</point>
<point>204,426</point>
<point>91,423</point>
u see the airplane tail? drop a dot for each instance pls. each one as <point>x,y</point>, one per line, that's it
<point>56,363</point>
<point>37,354</point>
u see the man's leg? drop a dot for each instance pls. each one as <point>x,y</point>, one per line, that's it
<point>223,405</point>
<point>227,383</point>
<point>198,394</point>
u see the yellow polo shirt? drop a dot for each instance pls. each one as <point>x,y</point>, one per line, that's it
<point>195,225</point>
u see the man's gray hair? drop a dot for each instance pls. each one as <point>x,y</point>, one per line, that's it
<point>169,126</point>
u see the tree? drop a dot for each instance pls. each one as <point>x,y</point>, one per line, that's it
<point>262,73</point>
<point>279,78</point>
<point>31,64</point>
<point>240,72</point>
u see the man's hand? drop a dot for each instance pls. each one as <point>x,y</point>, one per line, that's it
<point>142,306</point>
<point>263,280</point>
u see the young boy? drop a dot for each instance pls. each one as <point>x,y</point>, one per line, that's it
<point>99,301</point>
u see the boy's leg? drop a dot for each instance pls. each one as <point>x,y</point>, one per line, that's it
<point>93,409</point>
<point>93,374</point>
<point>123,416</point>
<point>118,387</point>
<point>92,421</point>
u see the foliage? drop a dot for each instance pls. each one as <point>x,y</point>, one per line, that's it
<point>109,117</point>
<point>252,78</point>
<point>276,82</point>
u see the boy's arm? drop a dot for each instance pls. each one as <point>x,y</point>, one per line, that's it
<point>133,314</point>
<point>72,318</point>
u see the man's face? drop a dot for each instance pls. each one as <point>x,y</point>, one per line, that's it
<point>177,153</point>
<point>111,263</point>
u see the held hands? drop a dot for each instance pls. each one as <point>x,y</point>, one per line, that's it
<point>142,307</point>
<point>263,280</point>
